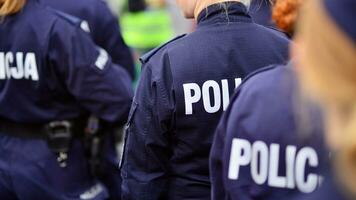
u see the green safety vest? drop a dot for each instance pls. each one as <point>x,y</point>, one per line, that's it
<point>147,29</point>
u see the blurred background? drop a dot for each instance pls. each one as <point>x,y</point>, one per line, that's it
<point>146,24</point>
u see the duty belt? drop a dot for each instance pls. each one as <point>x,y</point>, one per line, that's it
<point>58,134</point>
<point>40,130</point>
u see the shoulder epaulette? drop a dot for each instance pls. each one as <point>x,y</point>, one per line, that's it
<point>69,18</point>
<point>145,58</point>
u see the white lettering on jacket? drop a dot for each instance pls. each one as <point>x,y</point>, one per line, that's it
<point>264,162</point>
<point>18,65</point>
<point>214,95</point>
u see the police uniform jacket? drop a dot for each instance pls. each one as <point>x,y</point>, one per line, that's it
<point>51,70</point>
<point>103,27</point>
<point>331,189</point>
<point>184,88</point>
<point>261,12</point>
<point>260,149</point>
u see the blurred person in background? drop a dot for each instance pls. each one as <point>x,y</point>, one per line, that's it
<point>52,78</point>
<point>327,69</point>
<point>146,25</point>
<point>262,149</point>
<point>184,88</point>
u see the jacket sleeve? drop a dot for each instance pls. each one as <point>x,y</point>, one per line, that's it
<point>108,36</point>
<point>86,71</point>
<point>145,167</point>
<point>216,163</point>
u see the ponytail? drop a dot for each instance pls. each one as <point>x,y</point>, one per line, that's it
<point>8,7</point>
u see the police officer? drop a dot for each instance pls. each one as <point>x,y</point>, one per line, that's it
<point>328,76</point>
<point>146,25</point>
<point>261,149</point>
<point>52,77</point>
<point>184,88</point>
<point>103,26</point>
<point>97,19</point>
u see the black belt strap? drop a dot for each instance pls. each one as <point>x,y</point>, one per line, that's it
<point>28,130</point>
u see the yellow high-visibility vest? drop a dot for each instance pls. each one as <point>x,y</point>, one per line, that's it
<point>147,29</point>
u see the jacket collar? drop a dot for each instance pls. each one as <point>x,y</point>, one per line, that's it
<point>232,12</point>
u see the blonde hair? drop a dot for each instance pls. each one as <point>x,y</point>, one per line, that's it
<point>328,72</point>
<point>247,3</point>
<point>8,7</point>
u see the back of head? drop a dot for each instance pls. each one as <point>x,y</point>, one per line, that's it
<point>9,7</point>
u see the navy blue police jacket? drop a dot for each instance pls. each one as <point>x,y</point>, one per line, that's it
<point>184,87</point>
<point>50,69</point>
<point>103,27</point>
<point>262,149</point>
